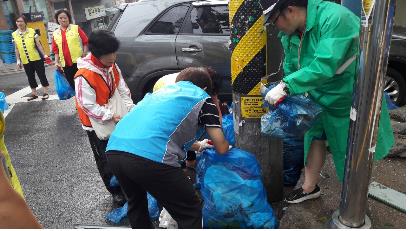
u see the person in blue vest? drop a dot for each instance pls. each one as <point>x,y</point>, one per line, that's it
<point>148,144</point>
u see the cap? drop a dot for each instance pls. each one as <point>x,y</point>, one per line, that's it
<point>275,6</point>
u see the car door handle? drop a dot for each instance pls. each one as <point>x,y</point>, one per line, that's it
<point>191,49</point>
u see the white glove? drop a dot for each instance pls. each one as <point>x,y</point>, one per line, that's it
<point>204,144</point>
<point>276,94</point>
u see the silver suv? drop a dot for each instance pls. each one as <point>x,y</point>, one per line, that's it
<point>160,37</point>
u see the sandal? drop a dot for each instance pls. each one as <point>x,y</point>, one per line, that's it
<point>45,96</point>
<point>32,97</point>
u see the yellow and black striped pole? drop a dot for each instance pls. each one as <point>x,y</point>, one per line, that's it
<point>248,46</point>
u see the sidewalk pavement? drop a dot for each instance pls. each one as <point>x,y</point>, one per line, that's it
<point>6,69</point>
<point>391,172</point>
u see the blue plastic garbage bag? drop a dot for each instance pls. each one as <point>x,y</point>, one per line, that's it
<point>63,88</point>
<point>3,104</point>
<point>233,192</point>
<point>293,160</point>
<point>114,182</point>
<point>227,126</point>
<point>153,208</point>
<point>118,214</point>
<point>291,118</point>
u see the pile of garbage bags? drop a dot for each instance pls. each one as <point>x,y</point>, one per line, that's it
<point>232,191</point>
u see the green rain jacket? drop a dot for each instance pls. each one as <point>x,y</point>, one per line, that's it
<point>323,64</point>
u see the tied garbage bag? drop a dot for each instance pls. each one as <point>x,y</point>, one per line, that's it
<point>233,192</point>
<point>227,127</point>
<point>63,88</point>
<point>291,118</point>
<point>118,214</point>
<point>3,104</point>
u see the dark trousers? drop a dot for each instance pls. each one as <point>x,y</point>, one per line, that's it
<point>33,67</point>
<point>69,73</point>
<point>98,146</point>
<point>167,184</point>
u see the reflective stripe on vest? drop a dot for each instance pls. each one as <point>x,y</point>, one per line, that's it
<point>102,91</point>
<point>75,45</point>
<point>29,40</point>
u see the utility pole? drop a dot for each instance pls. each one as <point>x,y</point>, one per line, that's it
<point>375,35</point>
<point>248,66</point>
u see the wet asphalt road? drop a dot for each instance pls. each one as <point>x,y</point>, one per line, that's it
<point>53,160</point>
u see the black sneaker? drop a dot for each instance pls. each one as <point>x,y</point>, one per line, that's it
<point>297,195</point>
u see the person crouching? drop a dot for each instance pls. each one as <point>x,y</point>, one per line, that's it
<point>147,145</point>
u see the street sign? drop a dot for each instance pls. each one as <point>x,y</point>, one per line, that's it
<point>94,12</point>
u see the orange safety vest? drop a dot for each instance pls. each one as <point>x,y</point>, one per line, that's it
<point>102,91</point>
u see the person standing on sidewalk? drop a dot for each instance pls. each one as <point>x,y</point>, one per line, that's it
<point>28,53</point>
<point>321,45</point>
<point>96,81</point>
<point>69,43</point>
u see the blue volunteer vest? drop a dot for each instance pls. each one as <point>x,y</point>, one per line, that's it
<point>161,124</point>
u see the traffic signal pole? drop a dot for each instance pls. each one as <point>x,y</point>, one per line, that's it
<point>375,35</point>
<point>248,46</point>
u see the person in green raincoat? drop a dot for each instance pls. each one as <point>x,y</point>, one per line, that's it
<point>321,46</point>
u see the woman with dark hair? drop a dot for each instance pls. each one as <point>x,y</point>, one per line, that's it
<point>147,145</point>
<point>97,79</point>
<point>69,43</point>
<point>28,53</point>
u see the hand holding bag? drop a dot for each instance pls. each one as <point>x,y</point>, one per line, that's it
<point>63,88</point>
<point>118,107</point>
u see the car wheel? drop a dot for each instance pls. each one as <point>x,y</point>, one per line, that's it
<point>395,86</point>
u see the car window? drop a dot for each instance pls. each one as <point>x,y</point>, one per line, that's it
<point>170,22</point>
<point>209,20</point>
<point>135,18</point>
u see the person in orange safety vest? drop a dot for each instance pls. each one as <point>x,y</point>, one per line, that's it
<point>96,81</point>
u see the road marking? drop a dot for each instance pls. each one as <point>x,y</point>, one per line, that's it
<point>18,97</point>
